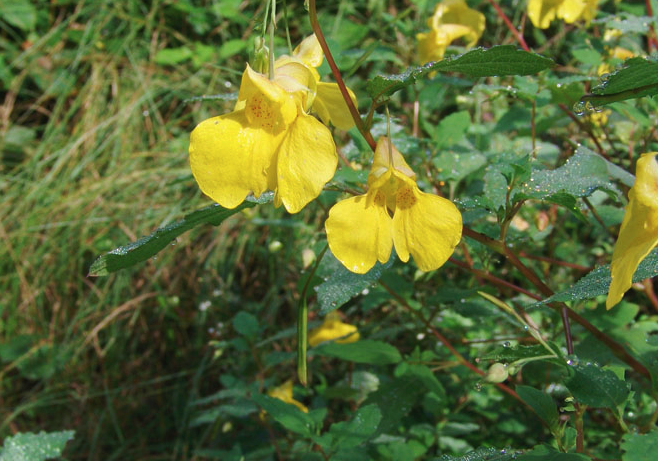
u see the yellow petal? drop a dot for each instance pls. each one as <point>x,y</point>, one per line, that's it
<point>306,161</point>
<point>266,104</point>
<point>646,180</point>
<point>571,10</point>
<point>426,226</point>
<point>542,12</point>
<point>359,235</point>
<point>333,328</point>
<point>637,237</point>
<point>294,77</point>
<point>229,158</point>
<point>430,48</point>
<point>284,393</point>
<point>331,107</point>
<point>457,13</point>
<point>309,51</point>
<point>387,157</point>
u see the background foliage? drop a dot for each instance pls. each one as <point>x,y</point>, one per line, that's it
<point>172,358</point>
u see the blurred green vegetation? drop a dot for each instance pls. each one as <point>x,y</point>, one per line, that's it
<point>97,100</point>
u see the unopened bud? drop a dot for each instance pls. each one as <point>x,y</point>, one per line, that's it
<point>275,246</point>
<point>497,373</point>
<point>308,256</point>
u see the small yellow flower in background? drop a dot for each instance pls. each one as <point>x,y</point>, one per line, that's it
<point>284,393</point>
<point>269,142</point>
<point>362,230</point>
<point>618,53</point>
<point>333,328</point>
<point>639,229</point>
<point>542,12</point>
<point>452,19</point>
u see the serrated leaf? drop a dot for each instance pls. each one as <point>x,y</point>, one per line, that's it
<point>147,247</point>
<point>597,282</point>
<point>495,61</point>
<point>289,416</point>
<point>360,428</point>
<point>35,447</point>
<point>19,13</point>
<point>545,453</point>
<point>637,78</point>
<point>640,447</point>
<point>542,403</point>
<point>341,285</point>
<point>394,399</point>
<point>580,176</point>
<point>483,454</point>
<point>592,385</point>
<point>364,351</point>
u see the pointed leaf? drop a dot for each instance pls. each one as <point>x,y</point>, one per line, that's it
<point>640,447</point>
<point>147,247</point>
<point>359,429</point>
<point>496,61</point>
<point>35,447</point>
<point>542,403</point>
<point>364,351</point>
<point>289,416</point>
<point>592,385</point>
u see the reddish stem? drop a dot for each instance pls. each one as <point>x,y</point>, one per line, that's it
<point>510,26</point>
<point>339,79</point>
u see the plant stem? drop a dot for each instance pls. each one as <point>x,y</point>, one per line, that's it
<point>510,26</point>
<point>339,79</point>
<point>614,346</point>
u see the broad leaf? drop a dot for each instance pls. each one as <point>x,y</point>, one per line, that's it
<point>597,282</point>
<point>545,453</point>
<point>395,400</point>
<point>289,416</point>
<point>359,429</point>
<point>35,447</point>
<point>341,285</point>
<point>637,78</point>
<point>496,61</point>
<point>592,385</point>
<point>580,176</point>
<point>483,454</point>
<point>147,247</point>
<point>364,351</point>
<point>542,403</point>
<point>640,447</point>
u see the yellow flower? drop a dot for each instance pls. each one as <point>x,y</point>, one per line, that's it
<point>542,12</point>
<point>333,329</point>
<point>269,142</point>
<point>328,101</point>
<point>639,229</point>
<point>452,19</point>
<point>362,230</point>
<point>284,393</point>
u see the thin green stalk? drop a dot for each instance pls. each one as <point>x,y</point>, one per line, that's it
<point>302,323</point>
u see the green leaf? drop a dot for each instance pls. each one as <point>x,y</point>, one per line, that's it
<point>483,454</point>
<point>597,282</point>
<point>341,285</point>
<point>395,400</point>
<point>425,375</point>
<point>364,351</point>
<point>35,447</point>
<point>146,247</point>
<point>542,403</point>
<point>231,48</point>
<point>173,56</point>
<point>545,453</point>
<point>592,385</point>
<point>640,447</point>
<point>246,324</point>
<point>289,416</point>
<point>496,61</point>
<point>637,78</point>
<point>451,129</point>
<point>580,176</point>
<point>19,13</point>
<point>362,426</point>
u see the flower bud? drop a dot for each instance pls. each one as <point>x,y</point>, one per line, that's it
<point>497,373</point>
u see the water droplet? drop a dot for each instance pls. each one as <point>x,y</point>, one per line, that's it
<point>507,344</point>
<point>579,108</point>
<point>478,386</point>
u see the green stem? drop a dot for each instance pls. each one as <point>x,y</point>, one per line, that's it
<point>302,322</point>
